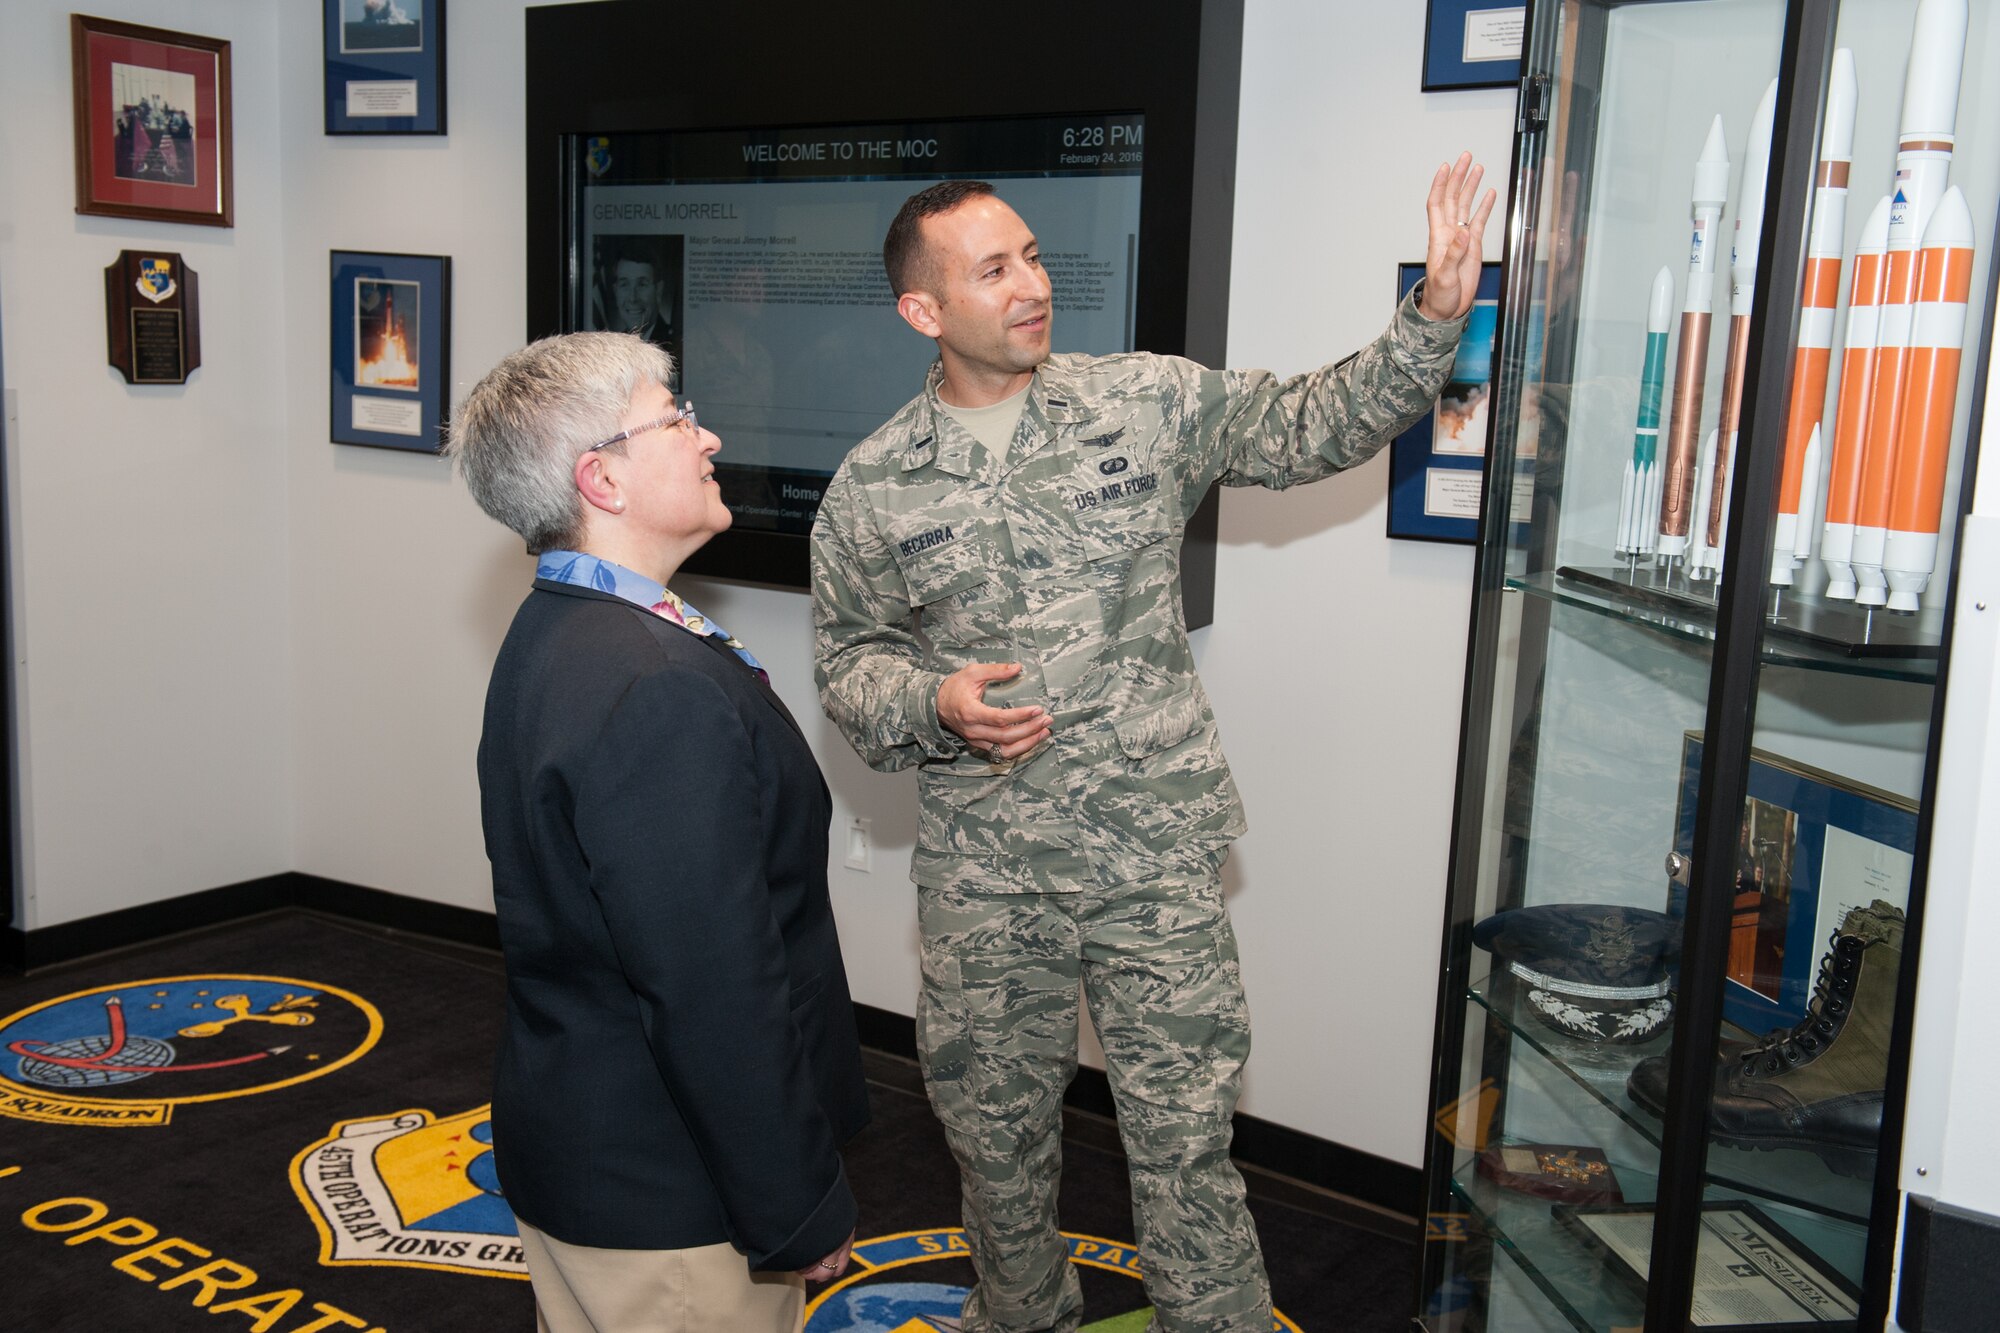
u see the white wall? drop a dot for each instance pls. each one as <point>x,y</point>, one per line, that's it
<point>337,738</point>
<point>150,534</point>
<point>1336,661</point>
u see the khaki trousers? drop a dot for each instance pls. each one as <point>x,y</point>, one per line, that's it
<point>709,1288</point>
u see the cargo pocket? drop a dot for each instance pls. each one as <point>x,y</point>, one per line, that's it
<point>944,1042</point>
<point>1161,726</point>
<point>1131,561</point>
<point>1173,793</point>
<point>954,590</point>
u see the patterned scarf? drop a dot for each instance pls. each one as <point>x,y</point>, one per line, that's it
<point>589,571</point>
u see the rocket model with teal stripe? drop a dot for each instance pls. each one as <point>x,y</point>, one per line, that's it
<point>1639,496</point>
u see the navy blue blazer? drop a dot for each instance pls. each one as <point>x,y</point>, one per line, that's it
<point>679,1064</point>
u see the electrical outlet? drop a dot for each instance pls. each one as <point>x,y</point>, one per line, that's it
<point>860,845</point>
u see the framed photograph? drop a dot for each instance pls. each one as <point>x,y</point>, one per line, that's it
<point>1473,44</point>
<point>391,349</point>
<point>152,123</point>
<point>1751,1276</point>
<point>384,66</point>
<point>1813,847</point>
<point>1436,466</point>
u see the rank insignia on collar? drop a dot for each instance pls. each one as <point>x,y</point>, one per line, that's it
<point>1099,441</point>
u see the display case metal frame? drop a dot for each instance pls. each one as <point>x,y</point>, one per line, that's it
<point>1739,646</point>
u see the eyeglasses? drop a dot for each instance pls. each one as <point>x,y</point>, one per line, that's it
<point>684,417</point>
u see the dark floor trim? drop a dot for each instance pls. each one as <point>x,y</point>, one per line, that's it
<point>1261,1143</point>
<point>459,925</point>
<point>30,951</point>
<point>1374,1181</point>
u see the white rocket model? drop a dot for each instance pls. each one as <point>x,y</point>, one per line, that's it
<point>1930,397</point>
<point>1677,489</point>
<point>1923,169</point>
<point>1639,497</point>
<point>1799,482</point>
<point>1706,560</point>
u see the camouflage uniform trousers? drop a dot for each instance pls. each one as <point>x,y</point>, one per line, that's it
<point>997,1038</point>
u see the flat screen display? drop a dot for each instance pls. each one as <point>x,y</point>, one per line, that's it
<point>754,256</point>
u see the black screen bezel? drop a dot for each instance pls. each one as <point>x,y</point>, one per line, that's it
<point>635,65</point>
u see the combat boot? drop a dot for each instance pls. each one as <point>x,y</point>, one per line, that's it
<point>1817,1085</point>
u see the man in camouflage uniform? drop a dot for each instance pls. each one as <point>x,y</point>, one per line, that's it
<point>996,578</point>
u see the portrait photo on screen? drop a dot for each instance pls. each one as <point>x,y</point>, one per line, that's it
<point>635,287</point>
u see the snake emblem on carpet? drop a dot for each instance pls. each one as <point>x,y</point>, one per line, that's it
<point>129,1054</point>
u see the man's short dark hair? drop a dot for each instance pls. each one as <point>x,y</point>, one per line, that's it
<point>910,268</point>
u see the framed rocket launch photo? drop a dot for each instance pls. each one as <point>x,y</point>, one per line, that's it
<point>1437,467</point>
<point>152,123</point>
<point>390,349</point>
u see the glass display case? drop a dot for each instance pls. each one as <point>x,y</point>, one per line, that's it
<point>1742,331</point>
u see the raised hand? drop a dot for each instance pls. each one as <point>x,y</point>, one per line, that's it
<point>1458,236</point>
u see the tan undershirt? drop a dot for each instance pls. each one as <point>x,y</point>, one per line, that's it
<point>993,425</point>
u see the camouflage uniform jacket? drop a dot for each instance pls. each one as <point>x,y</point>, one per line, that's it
<point>929,553</point>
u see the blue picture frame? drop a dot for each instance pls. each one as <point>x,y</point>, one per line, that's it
<point>1814,846</point>
<point>384,66</point>
<point>1436,467</point>
<point>1467,43</point>
<point>391,349</point>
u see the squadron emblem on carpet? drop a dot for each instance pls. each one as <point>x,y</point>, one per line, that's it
<point>882,1294</point>
<point>411,1191</point>
<point>128,1054</point>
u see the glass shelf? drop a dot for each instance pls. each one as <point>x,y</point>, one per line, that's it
<point>1560,1265</point>
<point>1796,1178</point>
<point>1898,652</point>
<point>1572,1275</point>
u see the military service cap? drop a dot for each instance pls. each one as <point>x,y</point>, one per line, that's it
<point>1594,972</point>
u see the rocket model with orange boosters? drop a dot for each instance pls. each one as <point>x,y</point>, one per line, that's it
<point>1857,391</point>
<point>1923,169</point>
<point>1930,397</point>
<point>1677,488</point>
<point>1798,484</point>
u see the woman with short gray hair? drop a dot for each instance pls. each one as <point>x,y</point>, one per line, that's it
<point>679,1065</point>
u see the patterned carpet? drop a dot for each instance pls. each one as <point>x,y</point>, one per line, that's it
<point>282,1122</point>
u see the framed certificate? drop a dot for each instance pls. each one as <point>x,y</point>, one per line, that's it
<point>1750,1275</point>
<point>384,66</point>
<point>391,349</point>
<point>1473,43</point>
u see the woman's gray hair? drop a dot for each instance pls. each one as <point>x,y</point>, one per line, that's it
<point>517,435</point>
